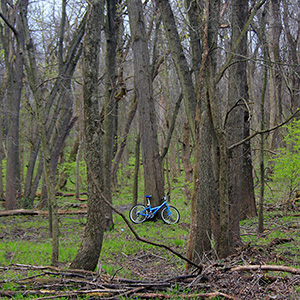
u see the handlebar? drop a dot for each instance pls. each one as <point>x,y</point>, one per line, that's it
<point>167,198</point>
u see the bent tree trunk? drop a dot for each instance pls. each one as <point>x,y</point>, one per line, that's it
<point>90,248</point>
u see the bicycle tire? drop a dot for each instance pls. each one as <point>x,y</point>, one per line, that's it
<point>173,218</point>
<point>134,216</point>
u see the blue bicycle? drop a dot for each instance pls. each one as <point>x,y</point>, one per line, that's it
<point>139,213</point>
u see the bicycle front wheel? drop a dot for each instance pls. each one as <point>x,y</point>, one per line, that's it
<point>138,213</point>
<point>170,215</point>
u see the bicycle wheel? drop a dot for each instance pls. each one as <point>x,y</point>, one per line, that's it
<point>138,213</point>
<point>171,216</point>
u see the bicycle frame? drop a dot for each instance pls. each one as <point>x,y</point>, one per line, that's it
<point>153,210</point>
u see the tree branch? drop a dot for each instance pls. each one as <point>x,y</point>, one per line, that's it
<point>264,131</point>
<point>14,30</point>
<point>168,140</point>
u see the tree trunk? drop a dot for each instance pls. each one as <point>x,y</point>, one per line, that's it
<point>293,58</point>
<point>14,66</point>
<point>152,162</point>
<point>275,80</point>
<point>237,98</point>
<point>200,232</point>
<point>260,228</point>
<point>2,152</point>
<point>91,244</point>
<point>205,192</point>
<point>109,106</point>
<point>186,158</point>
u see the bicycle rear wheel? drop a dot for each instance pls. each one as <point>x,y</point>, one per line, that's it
<point>171,215</point>
<point>138,213</point>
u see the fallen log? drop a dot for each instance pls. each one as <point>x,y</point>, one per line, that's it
<point>266,268</point>
<point>30,212</point>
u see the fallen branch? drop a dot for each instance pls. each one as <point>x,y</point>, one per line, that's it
<point>30,212</point>
<point>266,268</point>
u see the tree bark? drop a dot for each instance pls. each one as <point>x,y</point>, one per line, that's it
<point>91,244</point>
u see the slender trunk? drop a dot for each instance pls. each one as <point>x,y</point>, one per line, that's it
<point>109,106</point>
<point>262,135</point>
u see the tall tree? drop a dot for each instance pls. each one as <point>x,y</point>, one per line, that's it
<point>13,42</point>
<point>152,161</point>
<point>275,86</point>
<point>237,109</point>
<point>91,244</point>
<point>204,192</point>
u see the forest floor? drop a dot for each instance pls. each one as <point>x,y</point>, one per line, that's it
<point>267,266</point>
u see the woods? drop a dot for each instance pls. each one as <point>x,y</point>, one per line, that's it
<point>137,98</point>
